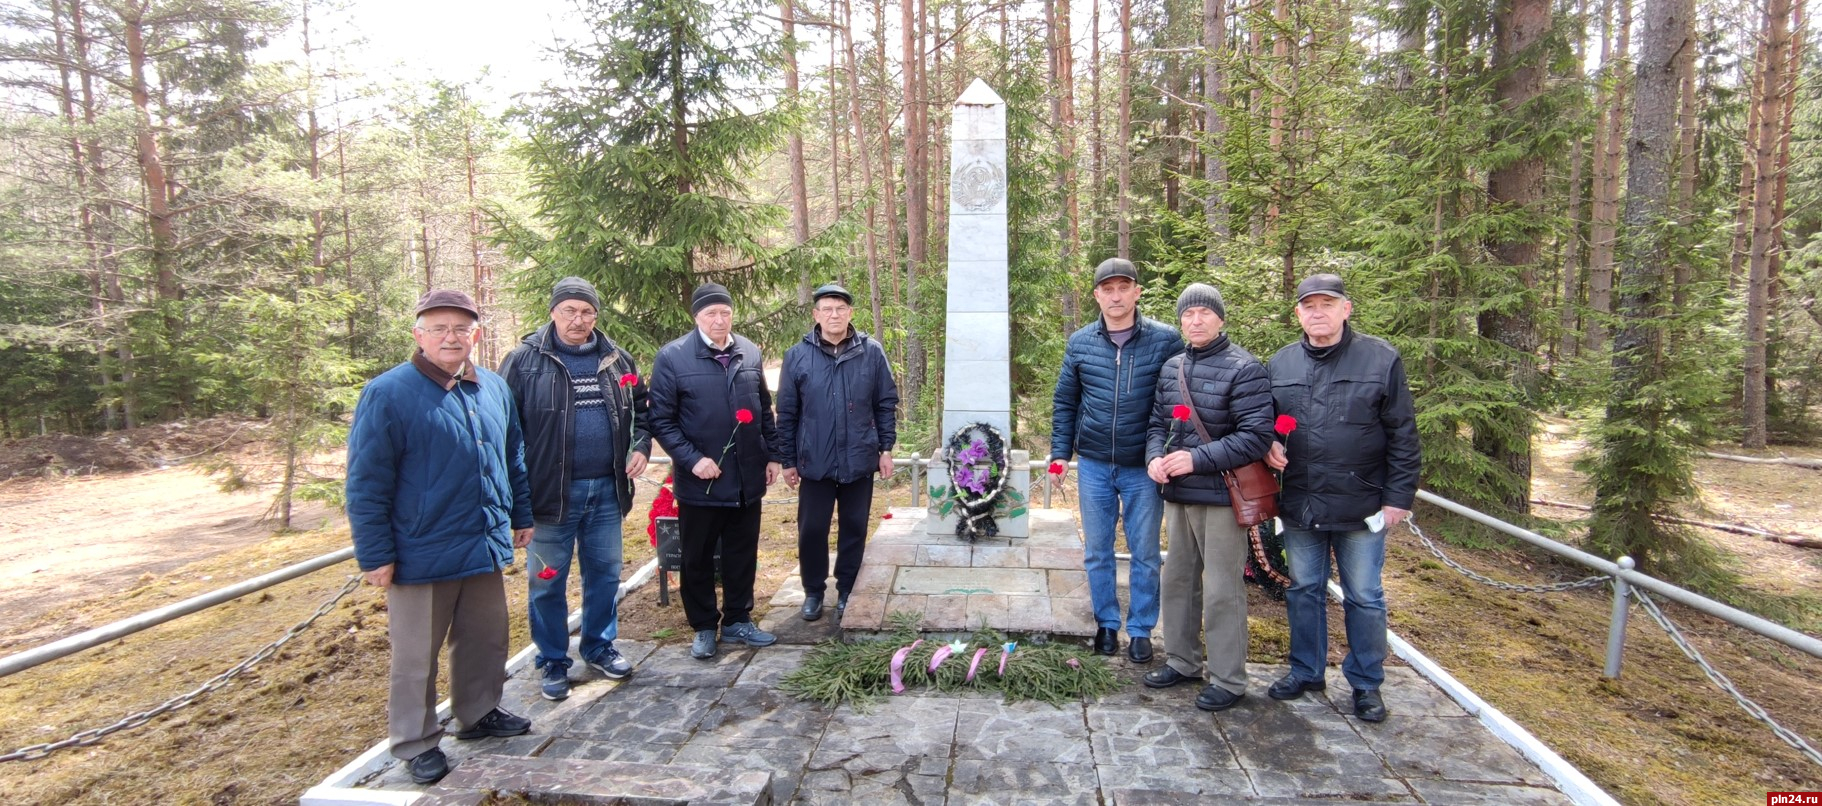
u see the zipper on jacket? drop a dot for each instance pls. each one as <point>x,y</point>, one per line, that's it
<point>1113,436</point>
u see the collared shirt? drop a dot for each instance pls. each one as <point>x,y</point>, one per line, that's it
<point>725,355</point>
<point>437,374</point>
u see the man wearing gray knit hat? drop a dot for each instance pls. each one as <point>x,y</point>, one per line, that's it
<point>1102,402</point>
<point>585,414</point>
<point>1228,400</point>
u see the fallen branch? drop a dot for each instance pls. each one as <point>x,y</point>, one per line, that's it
<point>1812,464</point>
<point>1775,537</point>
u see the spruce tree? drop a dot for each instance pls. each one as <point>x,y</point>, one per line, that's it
<point>638,168</point>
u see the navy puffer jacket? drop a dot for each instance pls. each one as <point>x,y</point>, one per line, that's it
<point>1233,397</point>
<point>693,405</point>
<point>1103,394</point>
<point>836,413</point>
<point>1355,448</point>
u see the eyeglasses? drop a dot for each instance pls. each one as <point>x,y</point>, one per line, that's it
<point>835,309</point>
<point>443,331</point>
<point>574,315</point>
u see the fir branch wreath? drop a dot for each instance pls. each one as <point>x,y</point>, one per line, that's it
<point>976,493</point>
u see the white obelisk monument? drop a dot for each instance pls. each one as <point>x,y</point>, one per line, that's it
<point>977,375</point>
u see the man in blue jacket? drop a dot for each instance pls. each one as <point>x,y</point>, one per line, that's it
<point>837,422</point>
<point>437,501</point>
<point>712,412</point>
<point>583,407</point>
<point>1102,410</point>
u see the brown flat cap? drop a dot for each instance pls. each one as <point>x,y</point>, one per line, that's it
<point>448,298</point>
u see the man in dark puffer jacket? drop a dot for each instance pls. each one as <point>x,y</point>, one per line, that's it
<point>722,462</point>
<point>1350,473</point>
<point>1227,392</point>
<point>1102,405</point>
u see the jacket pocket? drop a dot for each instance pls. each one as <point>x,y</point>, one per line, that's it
<point>1358,400</point>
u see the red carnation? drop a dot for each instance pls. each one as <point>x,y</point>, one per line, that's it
<point>743,416</point>
<point>1285,424</point>
<point>1058,468</point>
<point>886,517</point>
<point>629,379</point>
<point>1181,412</point>
<point>547,573</point>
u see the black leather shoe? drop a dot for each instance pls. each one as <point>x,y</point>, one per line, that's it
<point>812,607</point>
<point>1167,677</point>
<point>1139,650</point>
<point>497,723</point>
<point>1216,698</point>
<point>1368,706</point>
<point>429,766</point>
<point>1106,641</point>
<point>1289,687</point>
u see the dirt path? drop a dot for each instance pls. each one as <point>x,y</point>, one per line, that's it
<point>72,537</point>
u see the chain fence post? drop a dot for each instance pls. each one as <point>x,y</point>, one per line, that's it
<point>917,486</point>
<point>1616,626</point>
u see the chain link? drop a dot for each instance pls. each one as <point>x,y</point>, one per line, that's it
<point>1555,587</point>
<point>95,735</point>
<point>1721,681</point>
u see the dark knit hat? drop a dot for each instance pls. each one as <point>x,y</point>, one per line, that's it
<point>447,298</point>
<point>1115,267</point>
<point>1204,295</point>
<point>832,290</point>
<point>709,294</point>
<point>1321,284</point>
<point>575,288</point>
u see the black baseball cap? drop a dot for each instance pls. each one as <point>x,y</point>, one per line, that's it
<point>1115,267</point>
<point>1329,284</point>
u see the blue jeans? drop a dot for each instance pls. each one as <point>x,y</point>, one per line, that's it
<point>1360,556</point>
<point>593,525</point>
<point>1116,493</point>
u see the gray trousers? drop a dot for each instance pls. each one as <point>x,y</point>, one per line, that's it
<point>471,613</point>
<point>1205,594</point>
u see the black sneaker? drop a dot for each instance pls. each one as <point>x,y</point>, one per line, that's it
<point>429,766</point>
<point>497,723</point>
<point>554,684</point>
<point>611,664</point>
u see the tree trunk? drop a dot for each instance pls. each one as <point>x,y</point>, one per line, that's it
<point>1097,172</point>
<point>1766,141</point>
<point>800,189</point>
<point>866,158</point>
<point>159,219</point>
<point>1214,168</point>
<point>1570,337</point>
<point>1123,204</point>
<point>888,194</point>
<point>1603,228</point>
<point>1687,124</point>
<point>916,226</point>
<point>1742,232</point>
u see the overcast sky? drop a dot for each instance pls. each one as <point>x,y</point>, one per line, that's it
<point>455,40</point>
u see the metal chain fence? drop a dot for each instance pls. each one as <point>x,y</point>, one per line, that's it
<point>1720,680</point>
<point>95,735</point>
<point>1554,587</point>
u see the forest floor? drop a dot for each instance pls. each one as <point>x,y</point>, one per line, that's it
<point>134,535</point>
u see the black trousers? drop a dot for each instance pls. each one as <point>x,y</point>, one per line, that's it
<point>816,502</point>
<point>736,531</point>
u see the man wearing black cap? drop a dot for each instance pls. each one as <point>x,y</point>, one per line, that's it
<point>837,423</point>
<point>584,411</point>
<point>1102,409</point>
<point>437,500</point>
<point>1350,466</point>
<point>712,412</point>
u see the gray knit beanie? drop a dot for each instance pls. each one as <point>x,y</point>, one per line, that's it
<point>575,288</point>
<point>1201,294</point>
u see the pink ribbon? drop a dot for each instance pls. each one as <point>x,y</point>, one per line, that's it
<point>942,654</point>
<point>898,666</point>
<point>1005,655</point>
<point>978,654</point>
<point>1073,663</point>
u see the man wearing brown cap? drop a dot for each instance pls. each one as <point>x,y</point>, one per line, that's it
<point>438,499</point>
<point>1350,458</point>
<point>712,412</point>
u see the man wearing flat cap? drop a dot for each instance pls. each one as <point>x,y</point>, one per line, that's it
<point>712,412</point>
<point>584,412</point>
<point>1350,466</point>
<point>437,500</point>
<point>1102,408</point>
<point>837,423</point>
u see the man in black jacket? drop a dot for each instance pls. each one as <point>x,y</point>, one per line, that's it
<point>584,412</point>
<point>837,422</point>
<point>1223,389</point>
<point>1102,406</point>
<point>712,412</point>
<point>1350,459</point>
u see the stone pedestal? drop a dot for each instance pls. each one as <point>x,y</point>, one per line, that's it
<point>1012,512</point>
